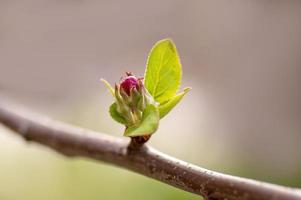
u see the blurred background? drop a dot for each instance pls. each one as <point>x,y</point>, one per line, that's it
<point>243,116</point>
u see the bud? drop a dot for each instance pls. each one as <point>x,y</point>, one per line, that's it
<point>134,107</point>
<point>131,98</point>
<point>128,83</point>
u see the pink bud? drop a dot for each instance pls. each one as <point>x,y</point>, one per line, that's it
<point>128,83</point>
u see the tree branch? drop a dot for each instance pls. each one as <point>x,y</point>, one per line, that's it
<point>72,141</point>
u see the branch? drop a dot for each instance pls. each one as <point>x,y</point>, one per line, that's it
<point>77,142</point>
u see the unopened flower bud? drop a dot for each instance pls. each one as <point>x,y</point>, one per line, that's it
<point>131,98</point>
<point>128,83</point>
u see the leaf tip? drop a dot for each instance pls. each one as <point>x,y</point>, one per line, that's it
<point>187,89</point>
<point>169,41</point>
<point>109,87</point>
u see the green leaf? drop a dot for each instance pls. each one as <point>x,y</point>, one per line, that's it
<point>165,108</point>
<point>148,125</point>
<point>163,71</point>
<point>115,115</point>
<point>110,88</point>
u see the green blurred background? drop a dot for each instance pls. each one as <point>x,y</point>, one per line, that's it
<point>242,59</point>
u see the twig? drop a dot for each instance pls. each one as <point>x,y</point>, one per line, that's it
<point>72,141</point>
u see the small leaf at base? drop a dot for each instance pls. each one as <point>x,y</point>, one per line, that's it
<point>115,115</point>
<point>148,125</point>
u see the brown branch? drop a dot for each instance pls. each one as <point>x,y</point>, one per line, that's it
<point>72,141</point>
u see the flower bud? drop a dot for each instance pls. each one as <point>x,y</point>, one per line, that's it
<point>130,97</point>
<point>134,107</point>
<point>128,83</point>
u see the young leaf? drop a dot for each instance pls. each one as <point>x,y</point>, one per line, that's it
<point>148,125</point>
<point>165,108</point>
<point>107,84</point>
<point>163,71</point>
<point>115,115</point>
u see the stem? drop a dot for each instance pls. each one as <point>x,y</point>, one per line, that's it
<point>138,141</point>
<point>77,142</point>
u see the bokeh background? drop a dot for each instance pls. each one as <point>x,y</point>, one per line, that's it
<point>243,116</point>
